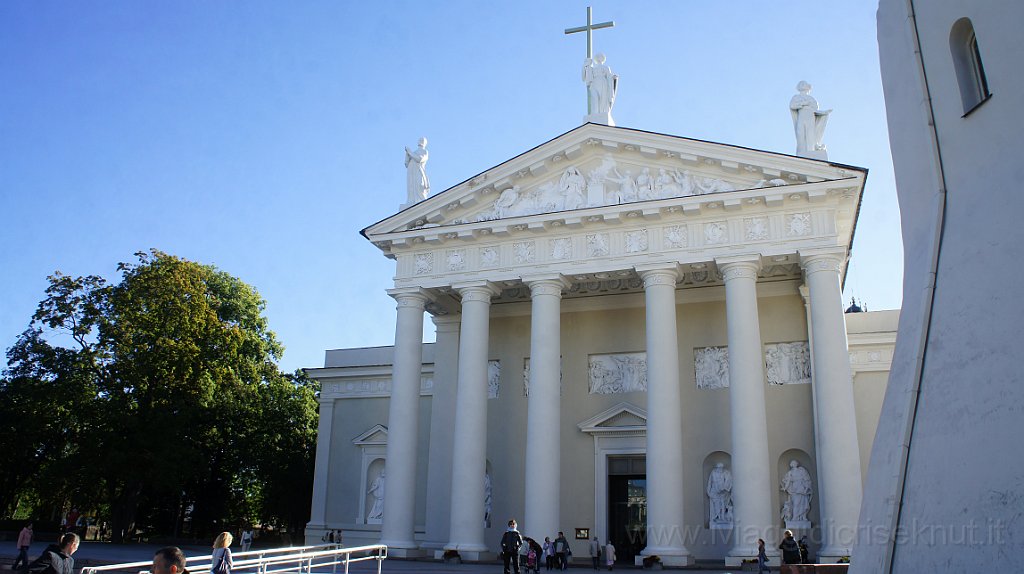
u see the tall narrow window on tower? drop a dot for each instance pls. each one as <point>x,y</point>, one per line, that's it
<point>970,73</point>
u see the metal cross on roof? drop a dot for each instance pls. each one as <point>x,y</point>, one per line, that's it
<point>589,28</point>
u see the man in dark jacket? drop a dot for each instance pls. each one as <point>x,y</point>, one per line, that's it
<point>56,559</point>
<point>511,542</point>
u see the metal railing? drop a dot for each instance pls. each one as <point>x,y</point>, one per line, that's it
<point>298,559</point>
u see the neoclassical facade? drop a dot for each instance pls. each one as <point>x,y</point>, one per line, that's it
<point>619,313</point>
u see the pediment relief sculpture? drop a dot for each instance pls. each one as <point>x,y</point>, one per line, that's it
<point>607,181</point>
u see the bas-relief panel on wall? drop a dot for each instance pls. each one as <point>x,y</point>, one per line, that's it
<point>711,366</point>
<point>788,363</point>
<point>526,377</point>
<point>618,373</point>
<point>785,364</point>
<point>493,379</point>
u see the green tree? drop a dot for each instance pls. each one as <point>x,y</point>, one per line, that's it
<point>164,396</point>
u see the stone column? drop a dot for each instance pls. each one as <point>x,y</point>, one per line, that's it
<point>751,466</point>
<point>469,456</point>
<point>321,477</point>
<point>665,528</point>
<point>838,455</point>
<point>398,528</point>
<point>442,413</point>
<point>543,441</point>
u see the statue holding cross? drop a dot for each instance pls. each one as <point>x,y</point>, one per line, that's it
<point>601,83</point>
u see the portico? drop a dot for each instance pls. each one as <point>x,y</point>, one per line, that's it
<point>684,307</point>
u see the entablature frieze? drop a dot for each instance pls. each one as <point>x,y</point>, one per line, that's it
<point>561,175</point>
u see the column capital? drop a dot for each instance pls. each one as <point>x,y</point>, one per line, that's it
<point>815,261</point>
<point>547,284</point>
<point>658,274</point>
<point>739,267</point>
<point>477,290</point>
<point>411,296</point>
<point>447,323</point>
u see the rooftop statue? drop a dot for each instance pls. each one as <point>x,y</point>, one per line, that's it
<point>418,186</point>
<point>602,86</point>
<point>808,123</point>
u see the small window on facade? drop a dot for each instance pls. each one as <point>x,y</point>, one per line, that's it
<point>970,73</point>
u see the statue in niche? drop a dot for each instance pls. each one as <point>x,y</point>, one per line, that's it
<point>377,491</point>
<point>808,123</point>
<point>602,85</point>
<point>797,484</point>
<point>573,187</point>
<point>417,184</point>
<point>719,491</point>
<point>488,499</point>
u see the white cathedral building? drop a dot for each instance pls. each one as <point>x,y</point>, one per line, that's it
<point>640,337</point>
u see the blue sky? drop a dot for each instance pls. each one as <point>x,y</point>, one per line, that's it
<point>260,137</point>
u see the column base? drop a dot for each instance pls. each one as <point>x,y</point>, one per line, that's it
<point>394,552</point>
<point>466,555</point>
<point>831,555</point>
<point>669,556</point>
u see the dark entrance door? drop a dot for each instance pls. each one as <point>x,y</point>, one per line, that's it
<point>627,506</point>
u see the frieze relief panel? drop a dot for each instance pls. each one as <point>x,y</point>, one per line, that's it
<point>526,377</point>
<point>493,379</point>
<point>711,366</point>
<point>592,244</point>
<point>618,373</point>
<point>788,363</point>
<point>367,388</point>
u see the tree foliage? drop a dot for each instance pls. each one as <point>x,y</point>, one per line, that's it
<point>159,398</point>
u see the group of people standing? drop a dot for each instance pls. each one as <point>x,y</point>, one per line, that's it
<point>793,551</point>
<point>556,553</point>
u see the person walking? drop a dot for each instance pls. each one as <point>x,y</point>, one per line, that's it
<point>609,555</point>
<point>595,552</point>
<point>24,541</point>
<point>56,559</point>
<point>790,549</point>
<point>511,542</point>
<point>220,562</point>
<point>247,539</point>
<point>762,557</point>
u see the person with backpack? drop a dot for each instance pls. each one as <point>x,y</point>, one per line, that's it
<point>511,542</point>
<point>56,559</point>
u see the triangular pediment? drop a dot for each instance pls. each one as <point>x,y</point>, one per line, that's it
<point>596,166</point>
<point>375,435</point>
<point>620,418</point>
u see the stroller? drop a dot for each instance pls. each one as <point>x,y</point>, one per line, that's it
<point>533,554</point>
